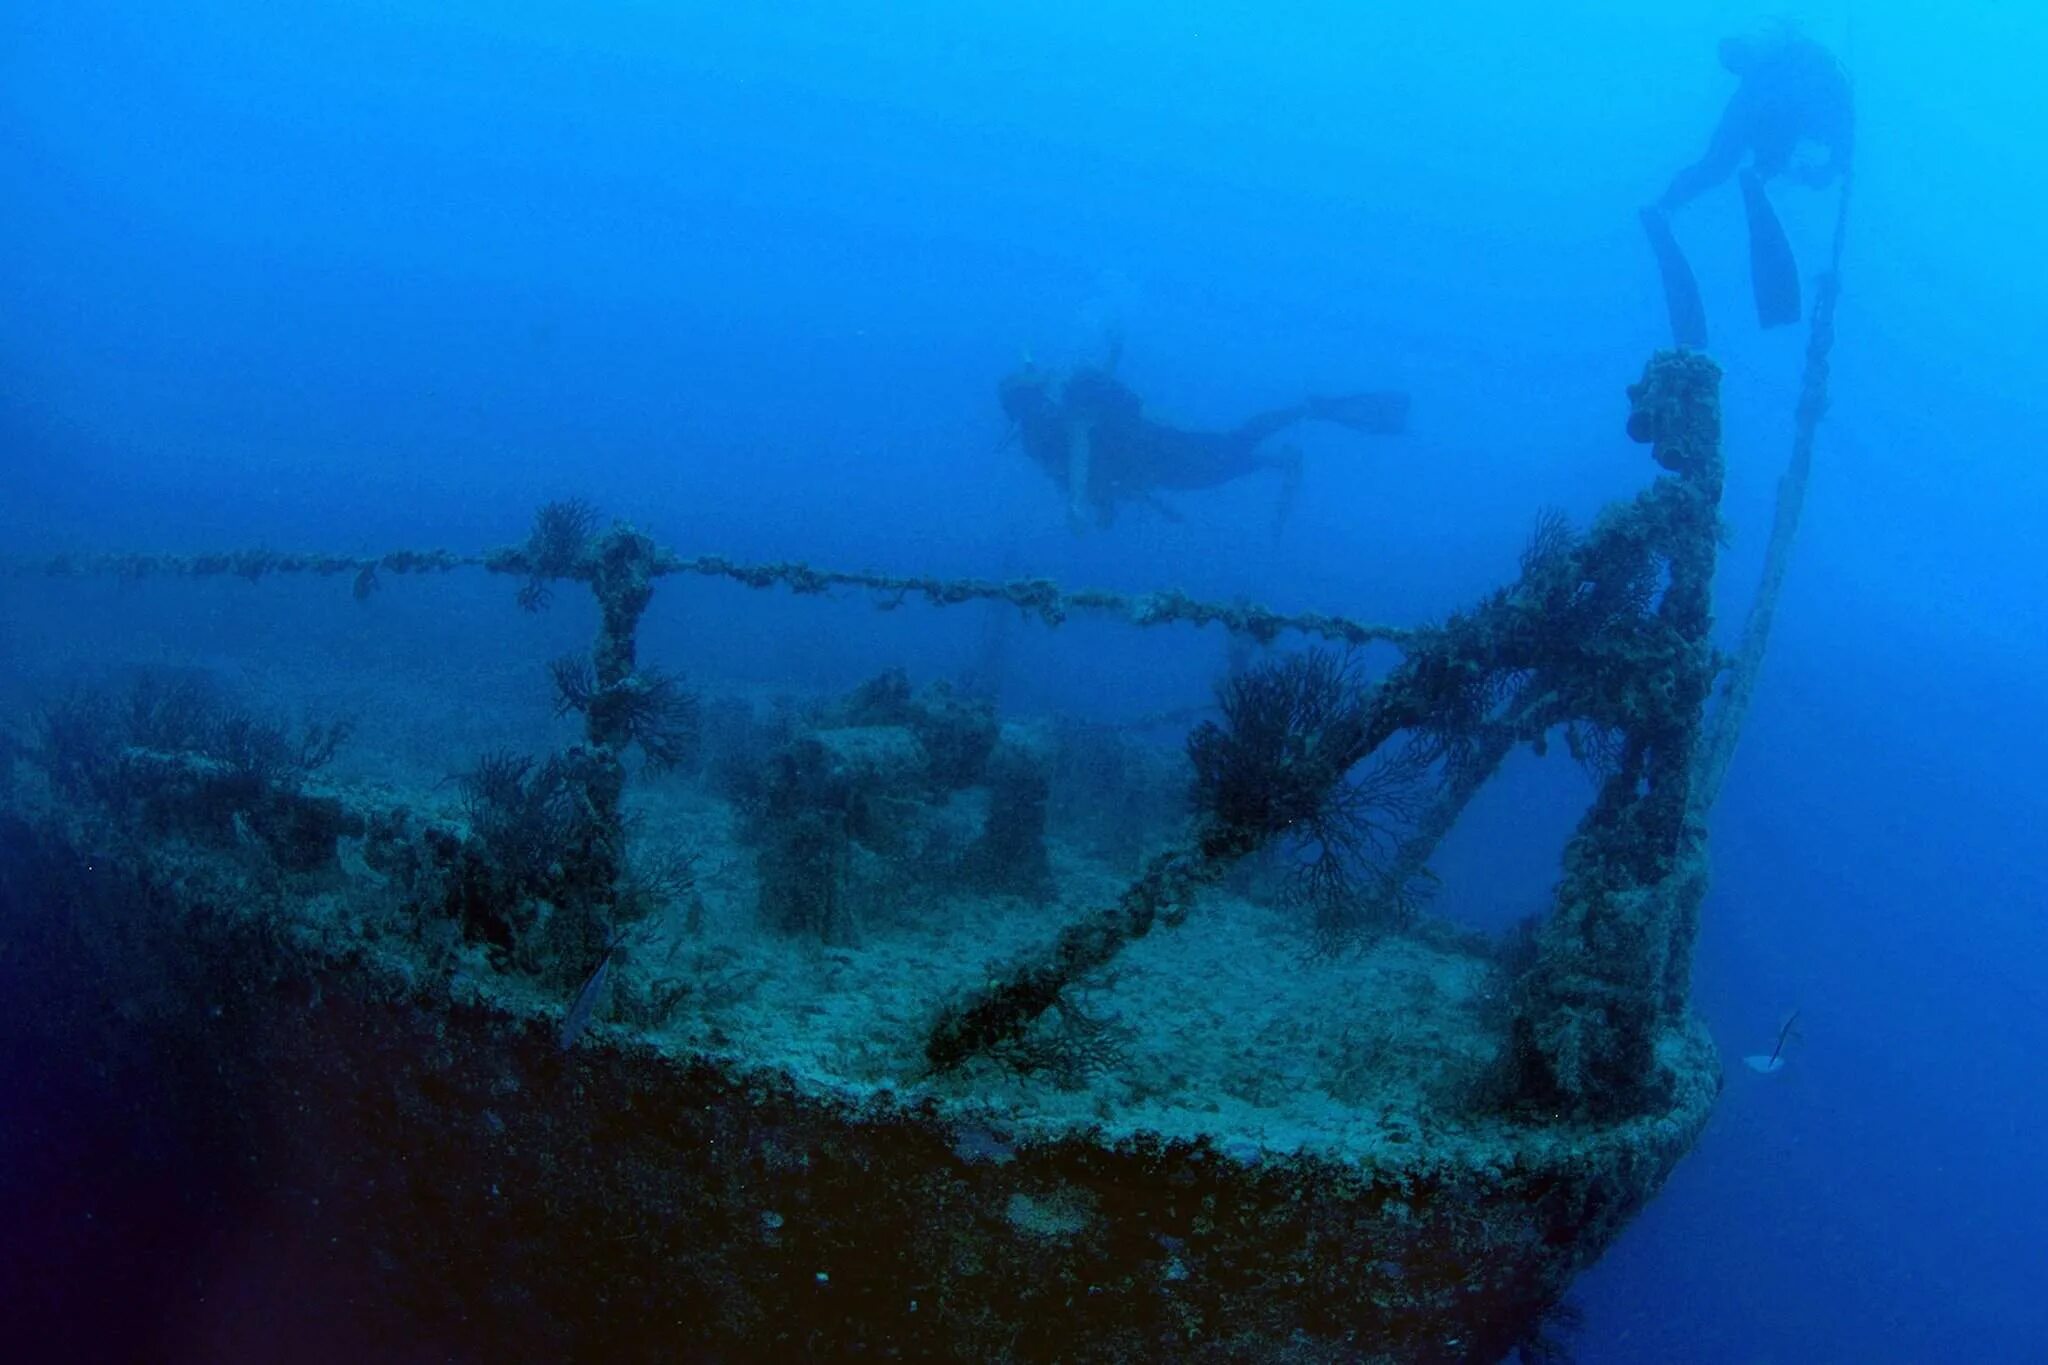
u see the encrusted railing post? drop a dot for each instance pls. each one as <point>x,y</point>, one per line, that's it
<point>620,571</point>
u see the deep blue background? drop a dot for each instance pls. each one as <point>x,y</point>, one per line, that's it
<point>352,275</point>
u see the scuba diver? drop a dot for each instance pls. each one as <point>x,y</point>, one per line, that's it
<point>1793,92</point>
<point>1091,435</point>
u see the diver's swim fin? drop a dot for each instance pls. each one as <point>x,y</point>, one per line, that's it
<point>1374,414</point>
<point>1773,270</point>
<point>1681,291</point>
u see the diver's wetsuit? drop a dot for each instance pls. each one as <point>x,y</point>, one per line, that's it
<point>1792,91</point>
<point>1093,438</point>
<point>1133,453</point>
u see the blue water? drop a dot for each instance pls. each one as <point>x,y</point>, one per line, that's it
<point>360,275</point>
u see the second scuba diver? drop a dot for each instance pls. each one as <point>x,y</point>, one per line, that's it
<point>1091,435</point>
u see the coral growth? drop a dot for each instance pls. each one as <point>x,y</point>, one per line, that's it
<point>1291,730</point>
<point>852,804</point>
<point>803,884</point>
<point>522,812</point>
<point>957,732</point>
<point>1009,855</point>
<point>171,753</point>
<point>1069,1046</point>
<point>650,707</point>
<point>1289,763</point>
<point>555,549</point>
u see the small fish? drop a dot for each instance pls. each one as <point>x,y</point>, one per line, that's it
<point>1765,1066</point>
<point>578,1017</point>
